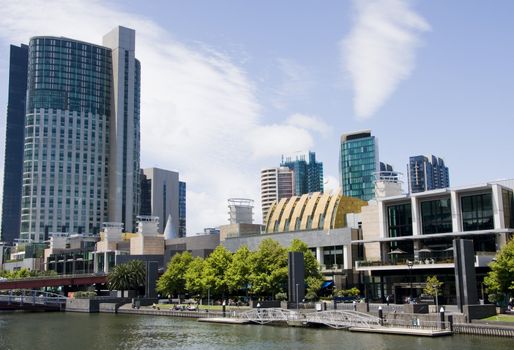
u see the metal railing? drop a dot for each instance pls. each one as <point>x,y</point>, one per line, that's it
<point>33,297</point>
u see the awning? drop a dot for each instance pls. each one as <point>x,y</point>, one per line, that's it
<point>327,284</point>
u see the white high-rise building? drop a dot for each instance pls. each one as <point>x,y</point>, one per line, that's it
<point>276,183</point>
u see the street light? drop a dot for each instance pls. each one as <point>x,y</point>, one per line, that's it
<point>409,264</point>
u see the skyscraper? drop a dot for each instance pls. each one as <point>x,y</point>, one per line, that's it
<point>14,137</point>
<point>161,194</point>
<point>308,175</point>
<point>81,152</point>
<point>358,164</point>
<point>276,183</point>
<point>181,209</point>
<point>427,173</point>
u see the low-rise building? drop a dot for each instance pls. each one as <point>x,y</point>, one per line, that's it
<point>408,237</point>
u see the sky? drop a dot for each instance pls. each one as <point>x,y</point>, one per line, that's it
<point>229,86</point>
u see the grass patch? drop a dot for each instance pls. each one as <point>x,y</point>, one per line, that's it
<point>501,318</point>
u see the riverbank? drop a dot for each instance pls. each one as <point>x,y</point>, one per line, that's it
<point>411,321</point>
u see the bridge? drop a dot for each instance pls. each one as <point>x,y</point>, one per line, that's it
<point>335,319</point>
<point>54,281</point>
<point>26,299</point>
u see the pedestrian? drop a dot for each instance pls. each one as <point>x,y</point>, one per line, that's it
<point>387,300</point>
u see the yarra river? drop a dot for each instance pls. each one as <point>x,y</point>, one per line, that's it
<point>74,331</point>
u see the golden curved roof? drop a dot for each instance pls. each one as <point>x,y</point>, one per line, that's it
<point>314,211</point>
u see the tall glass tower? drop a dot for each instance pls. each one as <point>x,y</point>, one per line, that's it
<point>81,135</point>
<point>14,137</point>
<point>358,162</point>
<point>308,174</point>
<point>427,173</point>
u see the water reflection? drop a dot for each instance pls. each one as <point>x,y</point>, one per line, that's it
<point>69,331</point>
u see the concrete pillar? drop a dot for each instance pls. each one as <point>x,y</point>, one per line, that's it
<point>456,212</point>
<point>416,219</point>
<point>106,265</point>
<point>497,197</point>
<point>347,257</point>
<point>319,255</point>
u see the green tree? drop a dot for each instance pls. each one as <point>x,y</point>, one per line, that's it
<point>269,268</point>
<point>314,284</point>
<point>194,277</point>
<point>433,288</point>
<point>500,280</point>
<point>215,267</point>
<point>238,272</point>
<point>173,279</point>
<point>127,276</point>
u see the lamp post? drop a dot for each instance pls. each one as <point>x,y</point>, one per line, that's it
<point>409,264</point>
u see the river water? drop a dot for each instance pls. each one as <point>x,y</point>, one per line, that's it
<point>76,331</point>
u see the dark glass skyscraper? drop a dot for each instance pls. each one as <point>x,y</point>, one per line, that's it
<point>358,164</point>
<point>181,209</point>
<point>14,137</point>
<point>308,175</point>
<point>81,152</point>
<point>427,173</point>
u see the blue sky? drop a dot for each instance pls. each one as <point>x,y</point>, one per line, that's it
<point>229,86</point>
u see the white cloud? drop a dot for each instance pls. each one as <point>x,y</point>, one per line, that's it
<point>199,113</point>
<point>309,122</point>
<point>379,51</point>
<point>331,183</point>
<point>295,84</point>
<point>278,139</point>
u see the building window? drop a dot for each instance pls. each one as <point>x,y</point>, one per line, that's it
<point>436,216</point>
<point>399,220</point>
<point>477,212</point>
<point>508,208</point>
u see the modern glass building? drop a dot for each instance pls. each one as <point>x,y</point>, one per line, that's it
<point>14,137</point>
<point>181,209</point>
<point>427,173</point>
<point>358,163</point>
<point>308,175</point>
<point>81,151</point>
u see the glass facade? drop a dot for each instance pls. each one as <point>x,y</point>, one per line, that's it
<point>399,220</point>
<point>427,174</point>
<point>358,164</point>
<point>508,208</point>
<point>333,256</point>
<point>182,209</point>
<point>66,137</point>
<point>14,137</point>
<point>308,176</point>
<point>477,212</point>
<point>436,216</point>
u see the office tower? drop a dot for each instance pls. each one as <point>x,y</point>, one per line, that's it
<point>308,175</point>
<point>161,196</point>
<point>124,127</point>
<point>276,183</point>
<point>81,152</point>
<point>358,164</point>
<point>427,173</point>
<point>181,209</point>
<point>14,137</point>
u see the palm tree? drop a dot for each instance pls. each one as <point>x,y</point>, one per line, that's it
<point>127,276</point>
